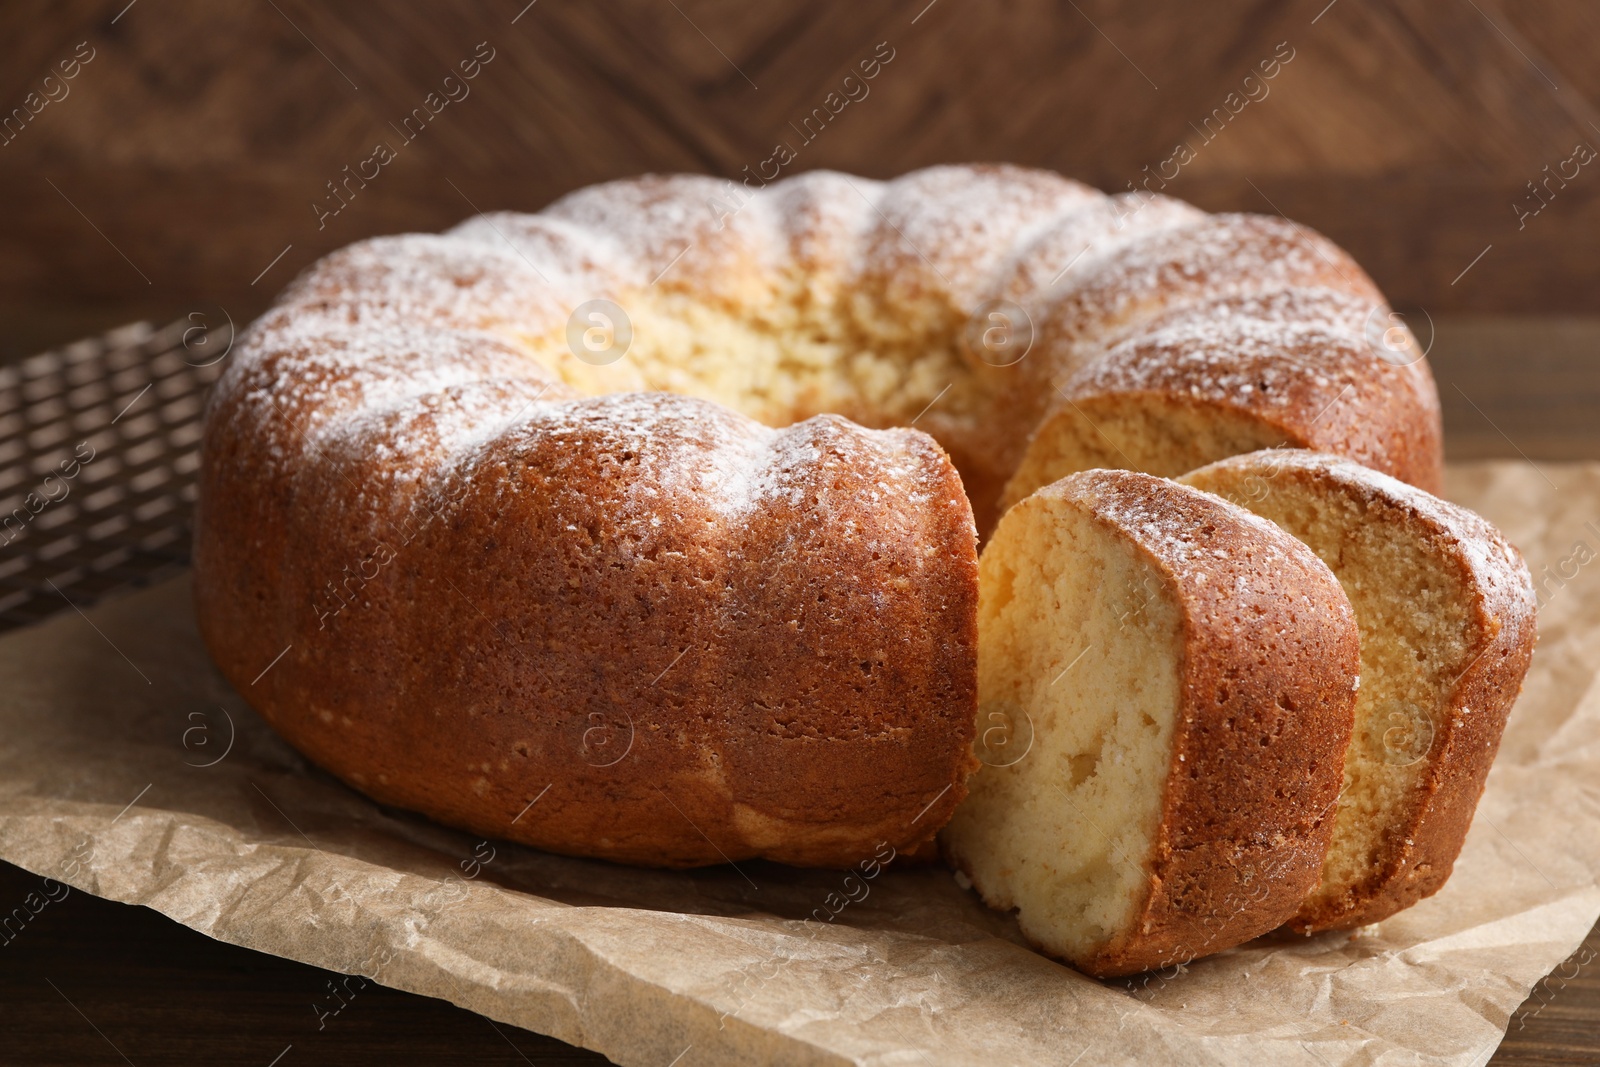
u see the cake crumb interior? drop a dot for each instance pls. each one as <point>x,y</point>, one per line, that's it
<point>785,357</point>
<point>1411,607</point>
<point>1081,637</point>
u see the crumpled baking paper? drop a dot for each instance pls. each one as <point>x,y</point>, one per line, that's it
<point>131,770</point>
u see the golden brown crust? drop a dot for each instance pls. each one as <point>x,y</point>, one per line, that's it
<point>1255,319</point>
<point>1427,833</point>
<point>673,685</point>
<point>1311,388</point>
<point>1271,653</point>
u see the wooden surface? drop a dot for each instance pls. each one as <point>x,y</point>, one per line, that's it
<point>189,151</point>
<point>89,981</point>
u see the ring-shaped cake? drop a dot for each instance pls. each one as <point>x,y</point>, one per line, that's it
<point>645,527</point>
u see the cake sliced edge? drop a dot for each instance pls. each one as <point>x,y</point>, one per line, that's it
<point>1447,614</point>
<point>1184,674</point>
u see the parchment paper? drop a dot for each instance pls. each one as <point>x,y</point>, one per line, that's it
<point>130,770</point>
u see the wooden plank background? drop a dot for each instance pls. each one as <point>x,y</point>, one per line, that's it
<point>178,169</point>
<point>187,153</point>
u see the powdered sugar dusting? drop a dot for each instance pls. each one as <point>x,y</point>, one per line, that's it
<point>948,229</point>
<point>574,259</point>
<point>1143,505</point>
<point>1219,256</point>
<point>429,279</point>
<point>1271,361</point>
<point>1496,566</point>
<point>1076,243</point>
<point>408,348</point>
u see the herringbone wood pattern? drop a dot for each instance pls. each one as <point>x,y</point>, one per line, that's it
<point>200,135</point>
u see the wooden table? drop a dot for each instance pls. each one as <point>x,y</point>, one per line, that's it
<point>94,982</point>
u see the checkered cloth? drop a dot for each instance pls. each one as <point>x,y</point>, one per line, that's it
<point>99,444</point>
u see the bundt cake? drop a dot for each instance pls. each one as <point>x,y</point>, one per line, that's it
<point>1187,674</point>
<point>1446,611</point>
<point>627,529</point>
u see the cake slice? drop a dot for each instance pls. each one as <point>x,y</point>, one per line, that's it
<point>1176,678</point>
<point>1446,611</point>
